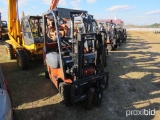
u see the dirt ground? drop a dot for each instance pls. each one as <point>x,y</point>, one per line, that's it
<point>134,85</point>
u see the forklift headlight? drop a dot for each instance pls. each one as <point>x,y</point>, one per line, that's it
<point>83,15</point>
<point>61,21</point>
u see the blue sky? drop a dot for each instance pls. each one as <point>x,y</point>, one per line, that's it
<point>138,12</point>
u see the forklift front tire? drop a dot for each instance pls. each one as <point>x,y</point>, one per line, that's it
<point>105,81</point>
<point>65,92</point>
<point>109,47</point>
<point>98,97</point>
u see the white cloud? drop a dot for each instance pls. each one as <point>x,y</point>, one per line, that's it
<point>91,1</point>
<point>4,13</point>
<point>156,12</point>
<point>141,16</point>
<point>75,4</point>
<point>48,2</point>
<point>61,2</point>
<point>119,7</point>
<point>21,3</point>
<point>4,1</point>
<point>3,10</point>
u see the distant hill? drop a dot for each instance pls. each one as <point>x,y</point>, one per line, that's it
<point>155,25</point>
<point>130,26</point>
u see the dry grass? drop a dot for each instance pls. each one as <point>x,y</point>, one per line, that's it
<point>134,85</point>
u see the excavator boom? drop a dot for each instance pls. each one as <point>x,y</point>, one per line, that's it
<point>54,4</point>
<point>13,19</point>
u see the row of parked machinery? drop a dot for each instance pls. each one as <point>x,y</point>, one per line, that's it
<point>73,47</point>
<point>3,29</point>
<point>116,34</point>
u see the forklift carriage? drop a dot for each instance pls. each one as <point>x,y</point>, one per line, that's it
<point>74,61</point>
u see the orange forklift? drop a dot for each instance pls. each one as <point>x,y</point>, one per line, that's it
<point>74,60</point>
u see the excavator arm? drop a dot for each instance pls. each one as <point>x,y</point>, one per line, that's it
<point>14,30</point>
<point>54,4</point>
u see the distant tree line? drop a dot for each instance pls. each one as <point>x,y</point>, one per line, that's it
<point>155,25</point>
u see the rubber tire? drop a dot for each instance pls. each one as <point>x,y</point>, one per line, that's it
<point>90,98</point>
<point>124,40</point>
<point>22,59</point>
<point>105,81</point>
<point>10,52</point>
<point>5,37</point>
<point>65,92</point>
<point>0,36</point>
<point>115,47</point>
<point>46,73</point>
<point>98,98</point>
<point>14,115</point>
<point>109,47</point>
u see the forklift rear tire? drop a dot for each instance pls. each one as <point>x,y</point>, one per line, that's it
<point>22,59</point>
<point>65,92</point>
<point>0,35</point>
<point>46,73</point>
<point>10,52</point>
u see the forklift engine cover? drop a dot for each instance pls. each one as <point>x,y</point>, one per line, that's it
<point>52,59</point>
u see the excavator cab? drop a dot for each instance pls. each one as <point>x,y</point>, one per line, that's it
<point>3,29</point>
<point>74,61</point>
<point>32,29</point>
<point>4,24</point>
<point>29,46</point>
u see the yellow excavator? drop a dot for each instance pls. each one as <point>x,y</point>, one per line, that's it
<point>26,38</point>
